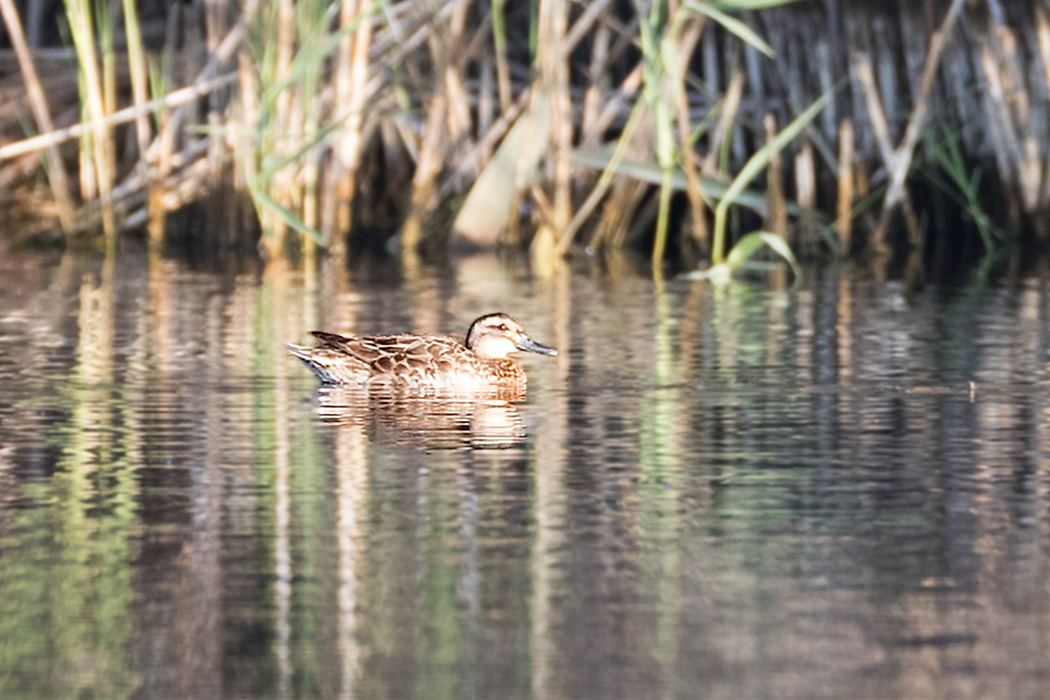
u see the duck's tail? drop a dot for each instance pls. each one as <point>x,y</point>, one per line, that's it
<point>330,366</point>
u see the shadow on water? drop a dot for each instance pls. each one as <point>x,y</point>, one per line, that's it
<point>840,490</point>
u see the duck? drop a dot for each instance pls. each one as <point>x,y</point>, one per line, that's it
<point>414,361</point>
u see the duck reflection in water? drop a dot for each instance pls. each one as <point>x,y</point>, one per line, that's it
<point>426,386</point>
<point>434,421</point>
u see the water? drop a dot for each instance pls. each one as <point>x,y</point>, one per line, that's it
<point>835,491</point>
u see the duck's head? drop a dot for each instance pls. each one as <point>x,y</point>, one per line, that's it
<point>495,336</point>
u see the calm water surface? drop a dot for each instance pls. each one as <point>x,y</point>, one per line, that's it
<point>835,491</point>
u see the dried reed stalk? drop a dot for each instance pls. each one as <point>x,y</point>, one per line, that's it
<point>431,159</point>
<point>432,150</point>
<point>597,86</point>
<point>139,75</point>
<point>627,194</point>
<point>283,138</point>
<point>98,169</point>
<point>42,113</point>
<point>458,100</point>
<point>54,137</point>
<point>898,162</point>
<point>1042,31</point>
<point>686,45</point>
<point>776,219</point>
<point>605,181</point>
<point>730,107</point>
<point>472,160</point>
<point>246,156</point>
<point>553,51</point>
<point>806,190</point>
<point>215,17</point>
<point>876,114</point>
<point>845,190</point>
<point>553,24</point>
<point>535,134</point>
<point>169,121</point>
<point>486,91</point>
<point>1013,114</point>
<point>351,73</point>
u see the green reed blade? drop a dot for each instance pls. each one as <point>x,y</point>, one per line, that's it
<point>733,25</point>
<point>754,166</point>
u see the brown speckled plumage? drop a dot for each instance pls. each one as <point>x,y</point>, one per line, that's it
<point>425,361</point>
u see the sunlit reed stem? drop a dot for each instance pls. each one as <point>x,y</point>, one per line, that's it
<point>282,137</point>
<point>776,219</point>
<point>663,216</point>
<point>99,166</point>
<point>597,87</point>
<point>354,103</point>
<point>554,75</point>
<point>687,38</point>
<point>162,79</point>
<point>721,133</point>
<point>845,189</point>
<point>104,16</point>
<point>244,119</point>
<point>349,73</point>
<point>139,78</point>
<point>658,49</point>
<point>438,129</point>
<point>310,21</point>
<point>216,13</point>
<point>459,108</point>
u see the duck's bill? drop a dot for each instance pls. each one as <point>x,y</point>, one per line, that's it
<point>530,345</point>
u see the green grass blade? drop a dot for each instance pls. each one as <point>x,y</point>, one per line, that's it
<point>272,163</point>
<point>750,244</point>
<point>751,4</point>
<point>285,214</point>
<point>758,162</point>
<point>746,247</point>
<point>755,165</point>
<point>711,188</point>
<point>733,25</point>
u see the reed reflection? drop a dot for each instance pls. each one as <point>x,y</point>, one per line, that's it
<point>703,482</point>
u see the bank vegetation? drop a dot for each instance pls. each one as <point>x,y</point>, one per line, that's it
<point>667,127</point>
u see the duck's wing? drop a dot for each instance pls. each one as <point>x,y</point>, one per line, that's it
<point>405,356</point>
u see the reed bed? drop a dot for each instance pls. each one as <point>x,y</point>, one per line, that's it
<point>660,125</point>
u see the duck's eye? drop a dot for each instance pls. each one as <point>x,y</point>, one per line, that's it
<point>503,327</point>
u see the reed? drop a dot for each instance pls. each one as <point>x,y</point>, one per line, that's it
<point>55,167</point>
<point>723,266</point>
<point>596,120</point>
<point>668,35</point>
<point>139,74</point>
<point>844,211</point>
<point>946,168</point>
<point>97,172</point>
<point>291,46</point>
